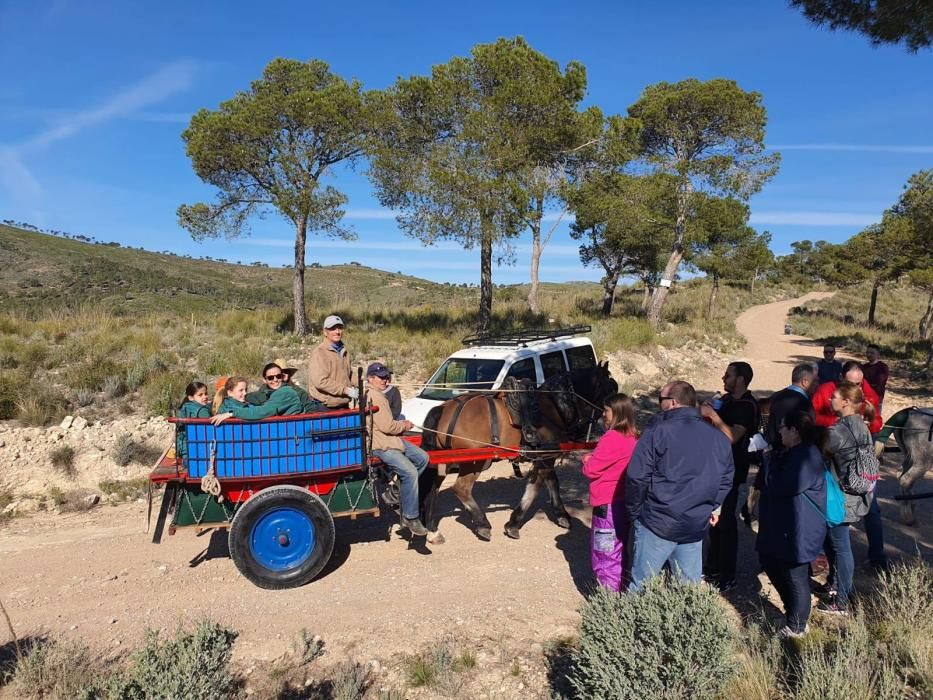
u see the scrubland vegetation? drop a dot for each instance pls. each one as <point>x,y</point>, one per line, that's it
<point>673,640</point>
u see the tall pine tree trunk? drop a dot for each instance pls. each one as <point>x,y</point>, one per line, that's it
<point>873,304</point>
<point>754,277</point>
<point>673,262</point>
<point>298,283</point>
<point>711,306</point>
<point>485,276</point>
<point>536,251</point>
<point>610,283</point>
<point>927,321</point>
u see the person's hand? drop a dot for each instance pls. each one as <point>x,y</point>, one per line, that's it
<point>220,418</point>
<point>408,425</point>
<point>352,392</point>
<point>707,411</point>
<point>713,519</point>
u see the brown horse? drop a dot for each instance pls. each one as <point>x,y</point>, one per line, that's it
<point>539,420</point>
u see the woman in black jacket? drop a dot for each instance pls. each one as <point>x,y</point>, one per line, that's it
<point>792,524</point>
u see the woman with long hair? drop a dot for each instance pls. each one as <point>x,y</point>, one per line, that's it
<point>847,437</point>
<point>792,516</point>
<point>605,468</point>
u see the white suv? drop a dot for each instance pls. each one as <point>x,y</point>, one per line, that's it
<point>486,361</point>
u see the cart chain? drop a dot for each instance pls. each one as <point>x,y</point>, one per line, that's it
<point>198,519</point>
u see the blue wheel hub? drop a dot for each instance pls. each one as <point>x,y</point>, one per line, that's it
<point>282,539</point>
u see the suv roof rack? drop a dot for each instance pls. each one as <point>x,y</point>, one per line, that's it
<point>524,336</point>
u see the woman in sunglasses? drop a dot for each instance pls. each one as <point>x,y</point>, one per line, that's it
<point>282,399</point>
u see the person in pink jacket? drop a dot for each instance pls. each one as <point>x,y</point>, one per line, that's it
<point>605,468</point>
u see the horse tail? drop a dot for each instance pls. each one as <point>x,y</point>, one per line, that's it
<point>429,434</point>
<point>895,424</point>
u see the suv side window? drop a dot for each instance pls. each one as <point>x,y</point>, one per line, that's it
<point>523,369</point>
<point>553,363</point>
<point>581,357</point>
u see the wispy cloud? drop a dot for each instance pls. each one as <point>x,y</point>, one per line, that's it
<point>812,218</point>
<point>152,89</point>
<point>16,177</point>
<point>370,214</point>
<point>854,147</point>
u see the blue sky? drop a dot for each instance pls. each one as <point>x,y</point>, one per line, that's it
<point>95,95</point>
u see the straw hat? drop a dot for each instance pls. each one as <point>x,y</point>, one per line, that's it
<point>284,365</point>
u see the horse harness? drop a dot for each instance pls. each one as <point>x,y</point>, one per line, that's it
<point>461,402</point>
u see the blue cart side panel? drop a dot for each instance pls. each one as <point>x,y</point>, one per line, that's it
<point>312,443</point>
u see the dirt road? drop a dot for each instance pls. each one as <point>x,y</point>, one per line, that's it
<point>96,576</point>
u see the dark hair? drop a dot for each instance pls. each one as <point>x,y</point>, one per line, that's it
<point>744,370</point>
<point>193,388</point>
<point>623,414</point>
<point>872,346</point>
<point>851,364</point>
<point>267,368</point>
<point>683,393</point>
<point>803,423</point>
<point>829,345</point>
<point>801,371</point>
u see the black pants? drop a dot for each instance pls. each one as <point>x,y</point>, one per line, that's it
<point>724,539</point>
<point>792,582</point>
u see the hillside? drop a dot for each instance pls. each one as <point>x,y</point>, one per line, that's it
<point>42,272</point>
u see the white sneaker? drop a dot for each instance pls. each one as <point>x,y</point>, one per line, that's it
<point>787,633</point>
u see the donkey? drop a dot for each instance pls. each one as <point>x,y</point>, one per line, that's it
<point>913,431</point>
<point>532,421</point>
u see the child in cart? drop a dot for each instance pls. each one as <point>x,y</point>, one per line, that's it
<point>195,405</point>
<point>283,401</point>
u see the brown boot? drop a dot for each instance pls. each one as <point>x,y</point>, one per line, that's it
<point>414,525</point>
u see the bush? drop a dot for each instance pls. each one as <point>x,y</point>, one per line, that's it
<point>124,450</point>
<point>85,397</point>
<point>92,374</point>
<point>8,395</point>
<point>165,391</point>
<point>63,459</point>
<point>114,387</point>
<point>194,666</point>
<point>39,405</point>
<point>53,669</point>
<point>670,640</point>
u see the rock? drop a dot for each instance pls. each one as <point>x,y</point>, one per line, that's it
<point>92,500</point>
<point>66,422</point>
<point>79,423</point>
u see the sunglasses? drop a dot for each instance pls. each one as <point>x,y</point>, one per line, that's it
<point>273,377</point>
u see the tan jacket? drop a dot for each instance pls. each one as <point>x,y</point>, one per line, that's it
<point>384,430</point>
<point>330,376</point>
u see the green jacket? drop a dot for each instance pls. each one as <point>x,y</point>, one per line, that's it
<point>189,409</point>
<point>283,401</point>
<point>261,395</point>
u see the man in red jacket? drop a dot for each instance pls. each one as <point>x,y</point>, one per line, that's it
<point>851,372</point>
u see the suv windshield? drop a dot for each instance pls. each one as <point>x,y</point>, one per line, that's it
<point>460,375</point>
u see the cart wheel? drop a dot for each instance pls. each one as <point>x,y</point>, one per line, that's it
<point>282,537</point>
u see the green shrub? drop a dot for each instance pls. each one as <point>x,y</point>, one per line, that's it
<point>92,374</point>
<point>9,393</point>
<point>63,459</point>
<point>164,391</point>
<point>234,356</point>
<point>53,669</point>
<point>114,387</point>
<point>125,489</point>
<point>124,450</point>
<point>85,397</point>
<point>194,666</point>
<point>670,640</point>
<point>38,404</point>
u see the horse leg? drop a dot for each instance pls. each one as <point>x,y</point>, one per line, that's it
<point>463,489</point>
<point>909,474</point>
<point>429,483</point>
<point>532,483</point>
<point>553,489</point>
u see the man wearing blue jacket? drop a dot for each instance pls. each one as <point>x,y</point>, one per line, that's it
<point>675,484</point>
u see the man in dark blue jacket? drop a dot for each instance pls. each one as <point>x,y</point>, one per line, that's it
<point>675,485</point>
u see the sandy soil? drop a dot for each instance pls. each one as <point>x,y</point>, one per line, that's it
<point>96,576</point>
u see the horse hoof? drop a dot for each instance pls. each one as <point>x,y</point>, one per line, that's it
<point>484,533</point>
<point>436,537</point>
<point>564,522</point>
<point>907,515</point>
<point>512,532</point>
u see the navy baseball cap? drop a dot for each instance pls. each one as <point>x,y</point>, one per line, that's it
<point>377,369</point>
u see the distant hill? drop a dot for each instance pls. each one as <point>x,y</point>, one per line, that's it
<point>41,271</point>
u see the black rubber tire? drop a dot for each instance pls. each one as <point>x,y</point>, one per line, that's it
<point>260,504</point>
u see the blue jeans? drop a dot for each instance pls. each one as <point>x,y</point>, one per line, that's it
<point>792,582</point>
<point>408,465</point>
<point>838,548</point>
<point>874,530</point>
<point>653,552</point>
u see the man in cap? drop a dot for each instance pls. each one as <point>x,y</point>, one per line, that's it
<point>331,380</point>
<point>402,457</point>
